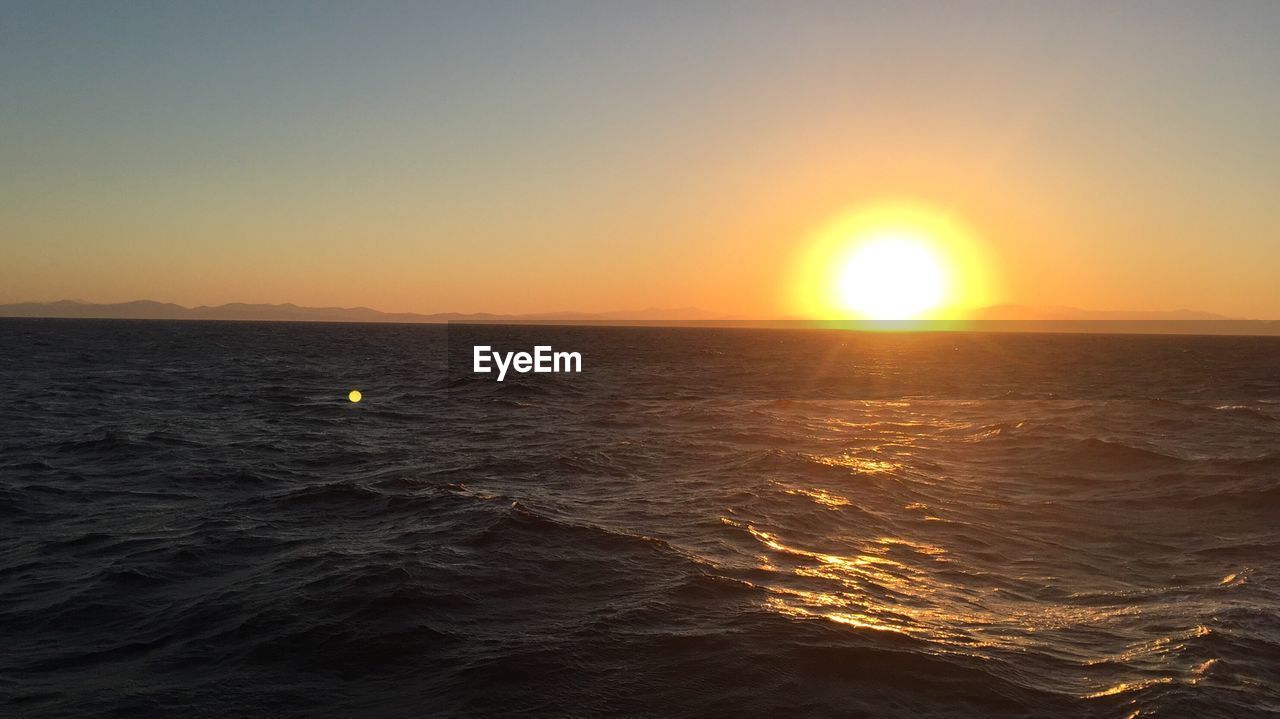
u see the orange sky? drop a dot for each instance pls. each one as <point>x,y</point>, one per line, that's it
<point>575,157</point>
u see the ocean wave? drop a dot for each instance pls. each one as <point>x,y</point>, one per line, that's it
<point>199,518</point>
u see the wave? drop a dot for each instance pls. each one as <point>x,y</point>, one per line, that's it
<point>199,518</point>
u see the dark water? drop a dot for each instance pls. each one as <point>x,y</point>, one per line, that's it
<point>196,521</point>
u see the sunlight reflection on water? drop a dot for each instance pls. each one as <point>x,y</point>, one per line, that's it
<point>950,588</point>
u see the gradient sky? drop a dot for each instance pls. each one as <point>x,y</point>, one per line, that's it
<point>542,156</point>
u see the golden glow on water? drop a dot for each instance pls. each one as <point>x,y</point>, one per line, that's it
<point>897,261</point>
<point>868,590</point>
<point>1161,648</point>
<point>862,561</point>
<point>1123,687</point>
<point>855,576</point>
<point>1154,648</point>
<point>821,496</point>
<point>895,584</point>
<point>859,464</point>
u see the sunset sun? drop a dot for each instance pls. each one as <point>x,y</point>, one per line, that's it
<point>893,276</point>
<point>891,261</point>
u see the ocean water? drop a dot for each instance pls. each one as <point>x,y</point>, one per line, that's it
<point>196,521</point>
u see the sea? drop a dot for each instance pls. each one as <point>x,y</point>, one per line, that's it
<point>195,520</point>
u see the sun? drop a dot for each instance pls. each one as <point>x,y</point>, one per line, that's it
<point>891,261</point>
<point>892,276</point>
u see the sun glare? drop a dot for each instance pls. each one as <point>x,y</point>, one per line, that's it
<point>891,261</point>
<point>891,277</point>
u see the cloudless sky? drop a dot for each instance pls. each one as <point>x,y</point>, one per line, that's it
<point>542,156</point>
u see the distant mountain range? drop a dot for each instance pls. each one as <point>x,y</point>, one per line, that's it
<point>288,312</point>
<point>1022,312</point>
<point>1006,317</point>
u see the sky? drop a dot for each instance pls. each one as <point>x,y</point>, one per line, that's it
<point>595,156</point>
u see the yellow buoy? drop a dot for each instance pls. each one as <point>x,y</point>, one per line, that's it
<point>355,395</point>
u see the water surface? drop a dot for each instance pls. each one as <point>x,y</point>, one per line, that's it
<point>195,519</point>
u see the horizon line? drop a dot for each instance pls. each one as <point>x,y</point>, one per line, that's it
<point>1183,322</point>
